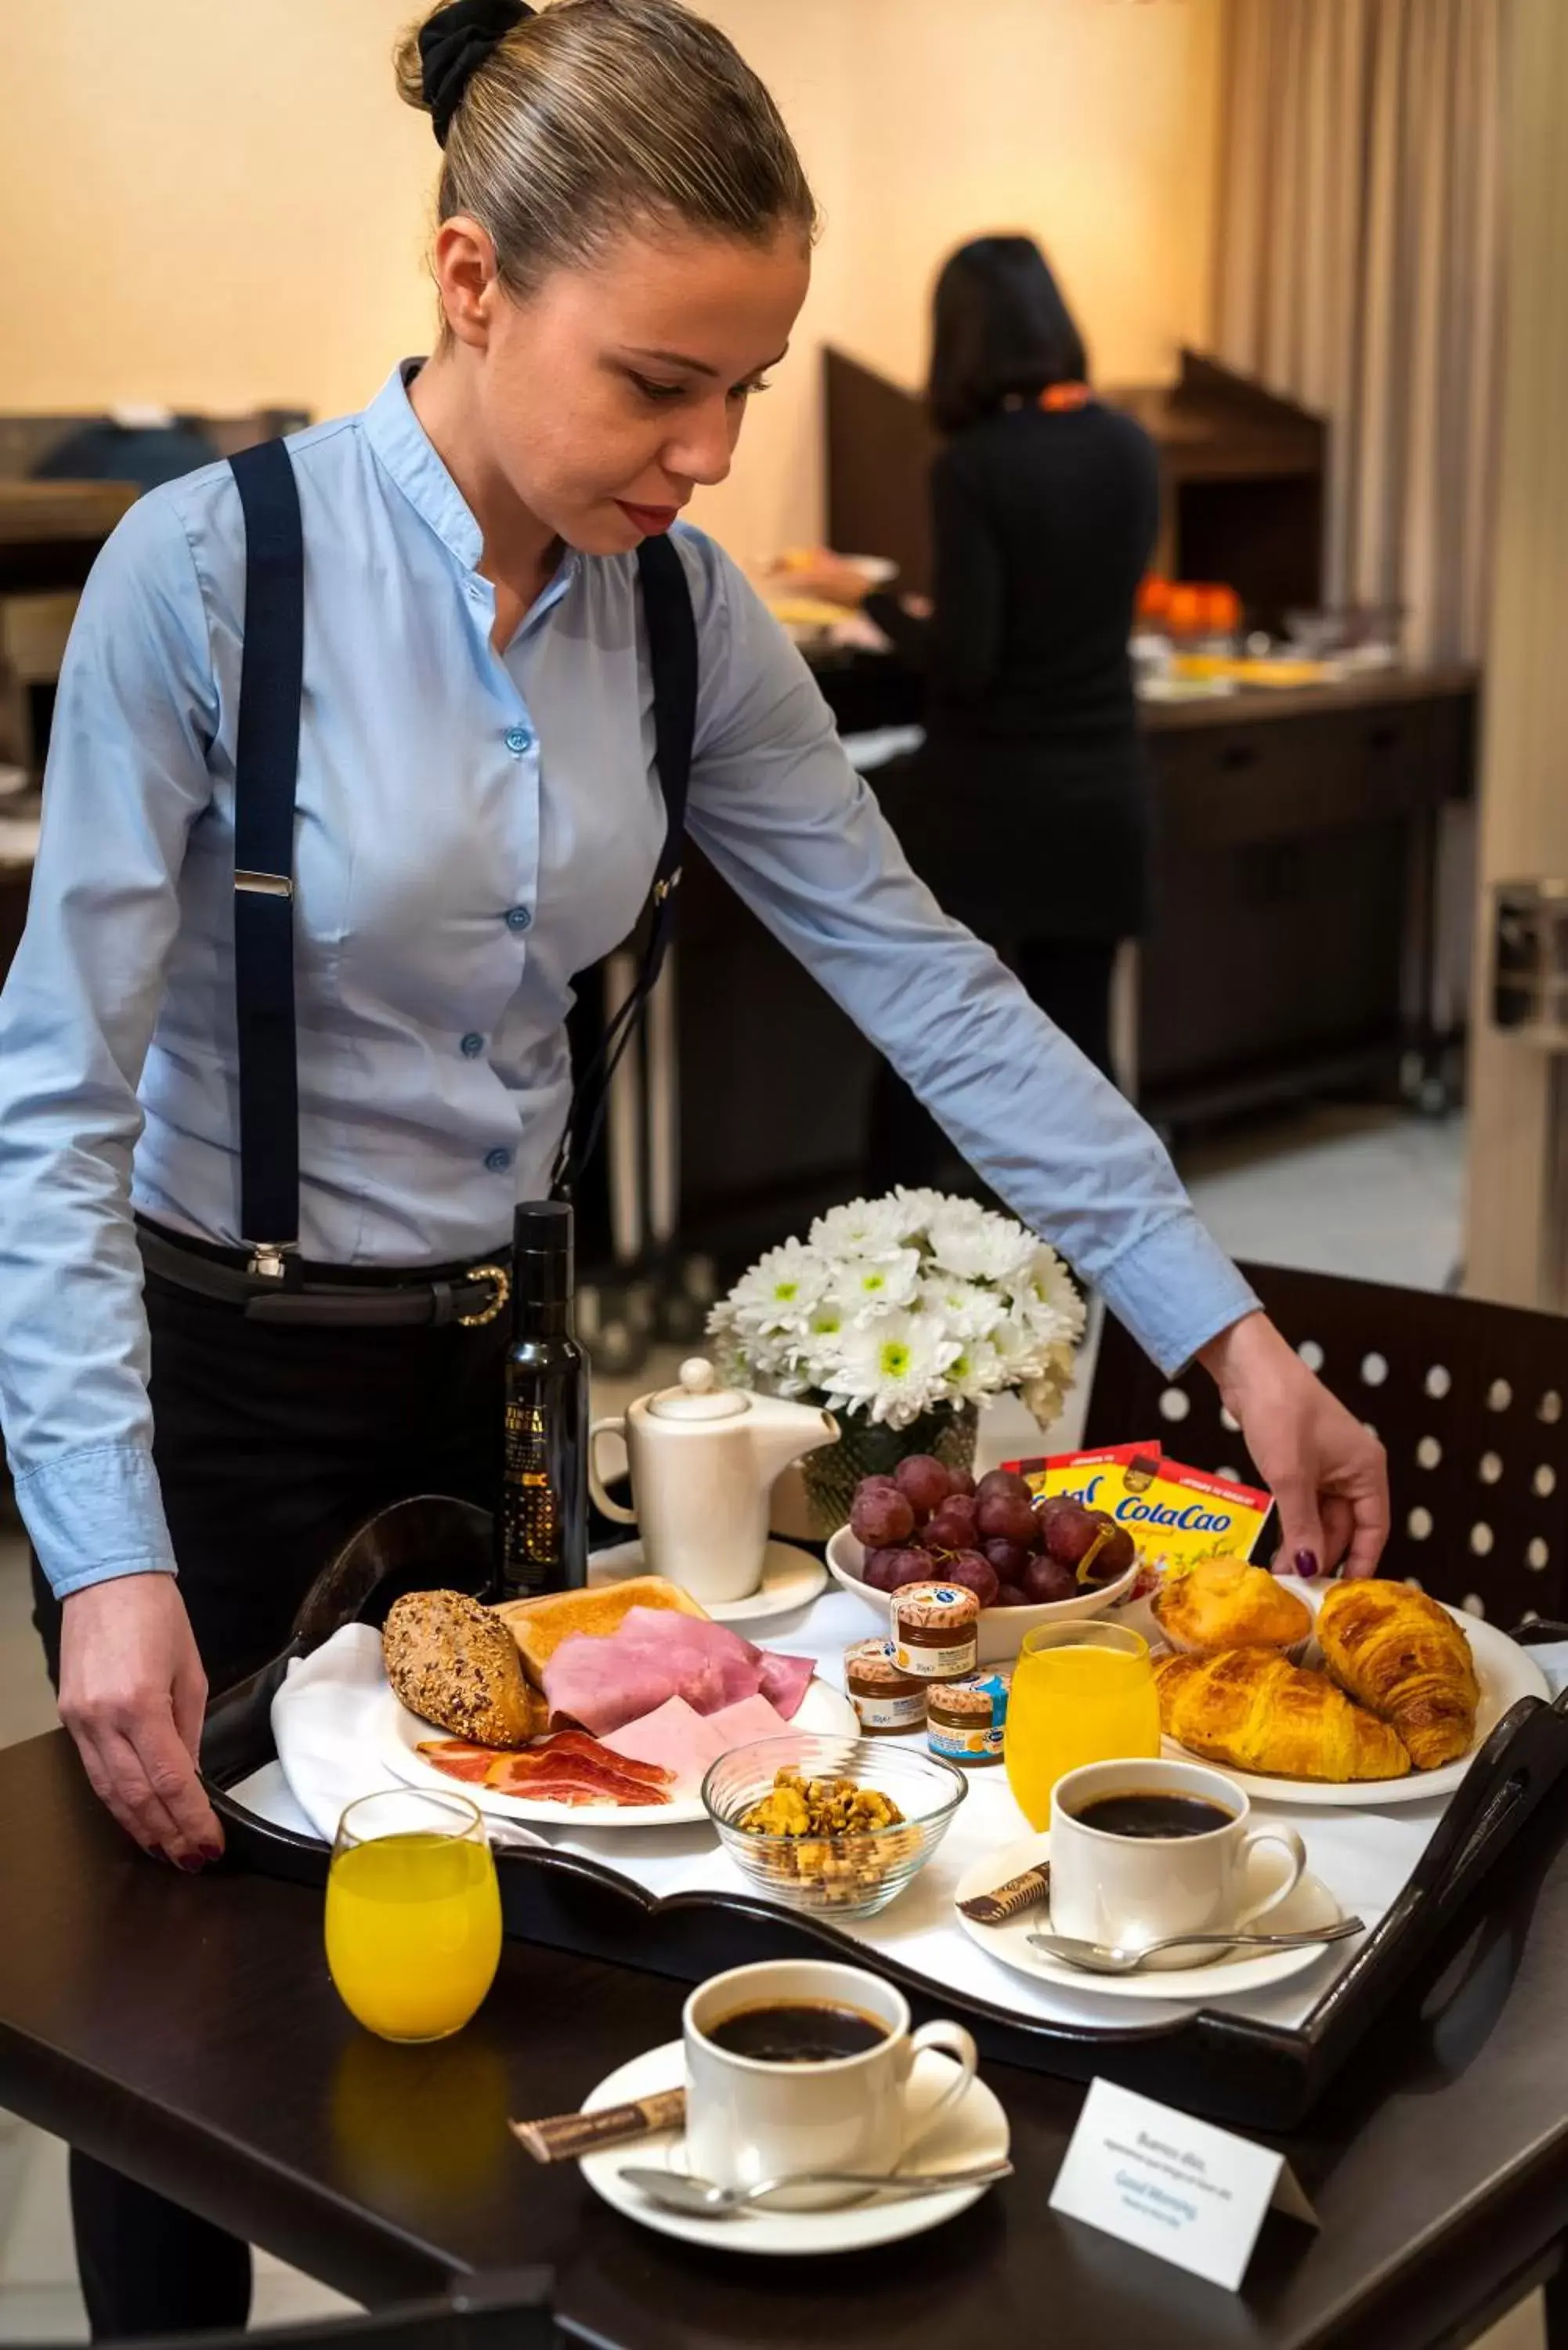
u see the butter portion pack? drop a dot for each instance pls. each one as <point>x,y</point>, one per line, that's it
<point>1173,1513</point>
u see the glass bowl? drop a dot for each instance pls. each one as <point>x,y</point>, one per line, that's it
<point>846,1872</point>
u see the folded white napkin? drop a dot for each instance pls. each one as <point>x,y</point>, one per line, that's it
<point>322,1726</point>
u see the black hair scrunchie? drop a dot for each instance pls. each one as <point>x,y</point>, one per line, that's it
<point>454,43</point>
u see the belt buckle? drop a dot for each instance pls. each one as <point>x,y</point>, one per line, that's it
<point>502,1280</point>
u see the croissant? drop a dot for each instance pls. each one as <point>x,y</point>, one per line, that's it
<point>1224,1603</point>
<point>1401,1654</point>
<point>1250,1708</point>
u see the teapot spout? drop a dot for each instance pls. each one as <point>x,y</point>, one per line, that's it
<point>782,1431</point>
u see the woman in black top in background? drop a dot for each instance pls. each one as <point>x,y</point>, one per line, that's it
<point>1026,808</point>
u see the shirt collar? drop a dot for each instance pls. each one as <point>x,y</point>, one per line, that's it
<point>408,453</point>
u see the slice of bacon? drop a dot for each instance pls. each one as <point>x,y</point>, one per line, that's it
<point>458,1759</point>
<point>571,1784</point>
<point>572,1768</point>
<point>578,1746</point>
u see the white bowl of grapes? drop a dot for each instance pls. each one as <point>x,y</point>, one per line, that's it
<point>1028,1562</point>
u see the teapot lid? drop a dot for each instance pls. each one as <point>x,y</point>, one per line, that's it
<point>698,1395</point>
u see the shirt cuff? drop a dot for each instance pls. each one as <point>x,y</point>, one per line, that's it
<point>1175,1290</point>
<point>95,1514</point>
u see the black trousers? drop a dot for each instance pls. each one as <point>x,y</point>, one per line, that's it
<point>272,1445</point>
<point>1070,979</point>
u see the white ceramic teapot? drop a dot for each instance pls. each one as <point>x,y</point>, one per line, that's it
<point>703,1459</point>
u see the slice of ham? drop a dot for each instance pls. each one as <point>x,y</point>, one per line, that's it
<point>784,1681</point>
<point>653,1655</point>
<point>675,1736</point>
<point>458,1759</point>
<point>742,1724</point>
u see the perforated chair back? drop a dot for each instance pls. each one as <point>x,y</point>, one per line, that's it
<point>1470,1400</point>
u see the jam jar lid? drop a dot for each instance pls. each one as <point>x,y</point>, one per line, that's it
<point>940,1606</point>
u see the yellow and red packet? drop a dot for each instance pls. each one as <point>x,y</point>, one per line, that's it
<point>1174,1514</point>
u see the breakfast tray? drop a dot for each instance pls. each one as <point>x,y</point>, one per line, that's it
<point>1459,1898</point>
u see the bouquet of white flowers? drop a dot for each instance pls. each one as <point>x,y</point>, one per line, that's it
<point>895,1306</point>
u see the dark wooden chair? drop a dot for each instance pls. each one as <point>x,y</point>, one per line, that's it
<point>506,2311</point>
<point>1470,1400</point>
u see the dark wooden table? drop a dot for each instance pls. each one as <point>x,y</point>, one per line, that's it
<point>186,2029</point>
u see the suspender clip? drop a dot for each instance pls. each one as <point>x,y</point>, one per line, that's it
<point>264,885</point>
<point>662,889</point>
<point>267,1260</point>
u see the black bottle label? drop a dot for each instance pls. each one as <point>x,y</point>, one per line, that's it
<point>531,1508</point>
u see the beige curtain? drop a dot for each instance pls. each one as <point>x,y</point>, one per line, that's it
<point>1358,255</point>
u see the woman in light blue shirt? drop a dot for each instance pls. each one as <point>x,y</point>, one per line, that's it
<point>624,246</point>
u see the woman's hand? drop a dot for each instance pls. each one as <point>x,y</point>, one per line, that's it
<point>1329,1477</point>
<point>132,1693</point>
<point>821,573</point>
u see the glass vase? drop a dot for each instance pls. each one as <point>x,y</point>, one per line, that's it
<point>871,1449</point>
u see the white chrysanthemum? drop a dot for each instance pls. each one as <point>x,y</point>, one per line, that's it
<point>779,1292</point>
<point>970,1309</point>
<point>1047,1293</point>
<point>870,1285</point>
<point>893,1369</point>
<point>862,1228</point>
<point>977,1371</point>
<point>916,1210</point>
<point>979,1245</point>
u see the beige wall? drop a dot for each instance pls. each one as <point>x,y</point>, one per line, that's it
<point>218,205</point>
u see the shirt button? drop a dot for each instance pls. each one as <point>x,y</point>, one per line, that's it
<point>473,1045</point>
<point>518,740</point>
<point>518,918</point>
<point>498,1161</point>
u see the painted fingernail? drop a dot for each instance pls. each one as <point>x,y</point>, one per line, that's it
<point>191,1866</point>
<point>211,1853</point>
<point>156,1852</point>
<point>1307,1565</point>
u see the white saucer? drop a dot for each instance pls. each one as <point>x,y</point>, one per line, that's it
<point>974,2132</point>
<point>1309,1903</point>
<point>791,1580</point>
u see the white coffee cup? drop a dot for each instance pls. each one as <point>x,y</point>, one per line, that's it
<point>1135,1889</point>
<point>748,2119</point>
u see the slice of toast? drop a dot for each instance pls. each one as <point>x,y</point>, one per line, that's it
<point>539,1625</point>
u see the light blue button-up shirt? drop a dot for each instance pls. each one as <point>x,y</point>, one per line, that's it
<point>472,830</point>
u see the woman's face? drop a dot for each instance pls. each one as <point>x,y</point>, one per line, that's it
<point>613,392</point>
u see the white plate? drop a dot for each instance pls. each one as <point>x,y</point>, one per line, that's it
<point>399,1733</point>
<point>974,2132</point>
<point>1506,1673</point>
<point>792,1579</point>
<point>1001,1630</point>
<point>1310,1903</point>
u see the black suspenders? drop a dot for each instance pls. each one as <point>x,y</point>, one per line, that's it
<point>266,760</point>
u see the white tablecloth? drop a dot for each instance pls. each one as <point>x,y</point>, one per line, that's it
<point>325,1758</point>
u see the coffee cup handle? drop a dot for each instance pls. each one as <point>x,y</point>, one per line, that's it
<point>955,2042</point>
<point>612,1509</point>
<point>1297,1850</point>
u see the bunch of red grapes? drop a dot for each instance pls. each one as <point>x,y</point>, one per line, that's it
<point>926,1522</point>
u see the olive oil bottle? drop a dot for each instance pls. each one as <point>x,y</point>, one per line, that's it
<point>542,1527</point>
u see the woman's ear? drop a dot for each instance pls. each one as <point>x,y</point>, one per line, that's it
<point>466,278</point>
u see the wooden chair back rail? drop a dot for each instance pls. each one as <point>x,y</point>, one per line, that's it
<point>1469,1398</point>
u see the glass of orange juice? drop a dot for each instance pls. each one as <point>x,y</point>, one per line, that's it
<point>1081,1692</point>
<point>413,1913</point>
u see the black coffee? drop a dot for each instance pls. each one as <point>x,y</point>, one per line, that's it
<point>797,2031</point>
<point>1151,1813</point>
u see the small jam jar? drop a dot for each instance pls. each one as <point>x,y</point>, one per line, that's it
<point>888,1701</point>
<point>935,1631</point>
<point>965,1720</point>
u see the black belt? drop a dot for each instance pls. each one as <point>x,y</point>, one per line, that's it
<point>471,1295</point>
